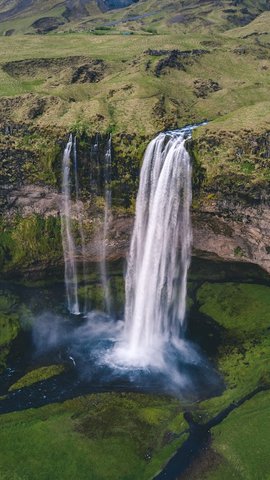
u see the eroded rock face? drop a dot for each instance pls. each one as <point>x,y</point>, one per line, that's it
<point>34,200</point>
<point>233,231</point>
<point>174,59</point>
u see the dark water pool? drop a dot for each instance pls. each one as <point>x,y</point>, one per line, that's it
<point>48,335</point>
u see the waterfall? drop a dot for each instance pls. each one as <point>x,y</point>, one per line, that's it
<point>106,224</point>
<point>80,223</point>
<point>71,281</point>
<point>159,257</point>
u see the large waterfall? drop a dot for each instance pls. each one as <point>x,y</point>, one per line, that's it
<point>159,257</point>
<point>71,280</point>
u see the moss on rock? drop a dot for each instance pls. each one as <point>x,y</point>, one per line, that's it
<point>37,375</point>
<point>10,323</point>
<point>29,240</point>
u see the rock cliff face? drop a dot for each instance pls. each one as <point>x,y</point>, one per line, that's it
<point>230,230</point>
<point>231,213</point>
<point>231,217</point>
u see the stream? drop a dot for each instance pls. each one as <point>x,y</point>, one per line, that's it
<point>199,438</point>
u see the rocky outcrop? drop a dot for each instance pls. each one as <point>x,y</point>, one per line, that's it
<point>91,72</point>
<point>47,24</point>
<point>173,59</point>
<point>34,200</point>
<point>231,214</point>
<point>204,87</point>
<point>233,231</point>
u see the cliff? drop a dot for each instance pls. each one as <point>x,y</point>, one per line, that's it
<point>230,214</point>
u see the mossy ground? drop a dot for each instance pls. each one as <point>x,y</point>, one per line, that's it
<point>234,150</point>
<point>107,436</point>
<point>12,314</point>
<point>241,443</point>
<point>130,436</point>
<point>243,311</point>
<point>37,375</point>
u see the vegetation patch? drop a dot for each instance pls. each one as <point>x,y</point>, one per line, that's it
<point>110,435</point>
<point>30,240</point>
<point>93,294</point>
<point>244,355</point>
<point>12,315</point>
<point>242,442</point>
<point>37,375</point>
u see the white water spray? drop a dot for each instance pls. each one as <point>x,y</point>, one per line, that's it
<point>159,257</point>
<point>71,280</point>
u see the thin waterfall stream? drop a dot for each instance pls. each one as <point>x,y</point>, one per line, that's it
<point>71,280</point>
<point>80,222</point>
<point>106,225</point>
<point>69,248</point>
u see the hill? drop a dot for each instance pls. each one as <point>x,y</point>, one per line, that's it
<point>37,16</point>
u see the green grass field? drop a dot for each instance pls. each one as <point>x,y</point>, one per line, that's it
<point>241,443</point>
<point>103,436</point>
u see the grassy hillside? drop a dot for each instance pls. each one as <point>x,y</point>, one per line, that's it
<point>143,68</point>
<point>133,83</point>
<point>36,16</point>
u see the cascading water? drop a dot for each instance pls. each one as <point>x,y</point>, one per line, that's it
<point>106,224</point>
<point>159,257</point>
<point>80,224</point>
<point>149,347</point>
<point>71,280</point>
